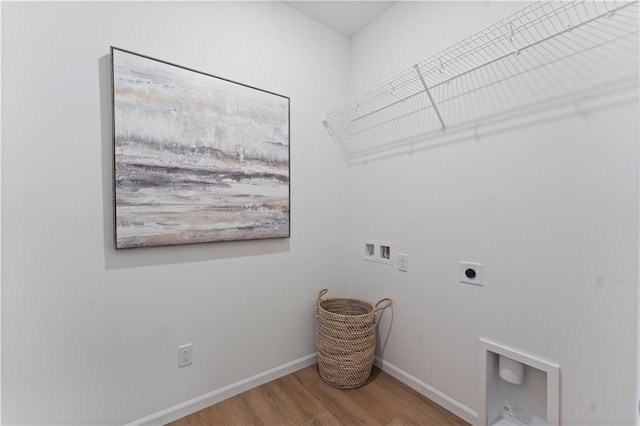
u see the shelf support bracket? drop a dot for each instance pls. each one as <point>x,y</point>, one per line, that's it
<point>341,146</point>
<point>426,89</point>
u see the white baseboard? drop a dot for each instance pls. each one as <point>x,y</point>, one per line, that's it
<point>203,401</point>
<point>457,408</point>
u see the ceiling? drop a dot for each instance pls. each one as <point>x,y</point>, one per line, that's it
<point>346,17</point>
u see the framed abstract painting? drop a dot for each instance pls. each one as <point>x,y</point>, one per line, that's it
<point>197,158</point>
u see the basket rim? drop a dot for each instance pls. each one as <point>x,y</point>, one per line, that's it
<point>349,299</point>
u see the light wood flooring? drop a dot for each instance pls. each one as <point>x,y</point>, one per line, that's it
<point>302,398</point>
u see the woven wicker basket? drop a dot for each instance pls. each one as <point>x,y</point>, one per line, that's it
<point>346,340</point>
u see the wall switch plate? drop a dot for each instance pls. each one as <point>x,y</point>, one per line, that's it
<point>403,262</point>
<point>185,355</point>
<point>471,273</point>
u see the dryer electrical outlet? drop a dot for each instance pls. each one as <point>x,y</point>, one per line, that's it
<point>471,273</point>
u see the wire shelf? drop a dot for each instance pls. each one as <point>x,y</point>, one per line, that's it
<point>546,54</point>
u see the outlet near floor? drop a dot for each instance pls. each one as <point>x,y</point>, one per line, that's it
<point>185,355</point>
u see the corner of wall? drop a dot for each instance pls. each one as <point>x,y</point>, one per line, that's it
<point>0,220</point>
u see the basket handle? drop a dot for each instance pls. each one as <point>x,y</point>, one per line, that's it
<point>385,306</point>
<point>322,293</point>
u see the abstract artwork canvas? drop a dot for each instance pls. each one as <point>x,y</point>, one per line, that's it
<point>197,158</point>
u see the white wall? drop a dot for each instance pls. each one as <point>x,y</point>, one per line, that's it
<point>90,335</point>
<point>551,210</point>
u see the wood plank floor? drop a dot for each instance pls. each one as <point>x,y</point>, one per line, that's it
<point>302,398</point>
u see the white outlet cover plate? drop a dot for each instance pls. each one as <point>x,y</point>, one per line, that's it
<point>185,355</point>
<point>478,279</point>
<point>403,262</point>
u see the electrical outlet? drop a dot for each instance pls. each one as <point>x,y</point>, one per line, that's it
<point>471,273</point>
<point>403,262</point>
<point>185,355</point>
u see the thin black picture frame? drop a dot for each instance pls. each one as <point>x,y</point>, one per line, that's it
<point>197,158</point>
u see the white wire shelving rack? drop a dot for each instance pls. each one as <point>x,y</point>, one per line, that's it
<point>547,54</point>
